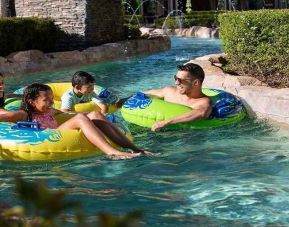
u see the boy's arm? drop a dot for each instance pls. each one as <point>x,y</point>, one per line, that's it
<point>103,107</point>
<point>66,103</point>
<point>100,103</point>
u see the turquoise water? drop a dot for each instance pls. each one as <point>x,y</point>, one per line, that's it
<point>233,175</point>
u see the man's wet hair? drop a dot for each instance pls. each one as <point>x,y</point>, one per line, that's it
<point>81,78</point>
<point>196,71</point>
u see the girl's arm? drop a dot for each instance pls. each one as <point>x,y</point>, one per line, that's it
<point>56,112</point>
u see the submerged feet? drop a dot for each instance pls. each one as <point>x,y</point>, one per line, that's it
<point>131,155</point>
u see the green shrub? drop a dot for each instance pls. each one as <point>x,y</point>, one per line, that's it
<point>257,43</point>
<point>134,20</point>
<point>132,31</point>
<point>18,34</point>
<point>195,18</point>
<point>44,207</point>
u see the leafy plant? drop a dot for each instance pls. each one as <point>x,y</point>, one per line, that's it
<point>18,34</point>
<point>132,31</point>
<point>44,207</point>
<point>194,18</point>
<point>257,44</point>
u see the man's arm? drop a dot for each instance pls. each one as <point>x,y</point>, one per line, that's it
<point>201,110</point>
<point>13,116</point>
<point>13,95</point>
<point>161,92</point>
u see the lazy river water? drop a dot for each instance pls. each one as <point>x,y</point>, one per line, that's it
<point>228,176</point>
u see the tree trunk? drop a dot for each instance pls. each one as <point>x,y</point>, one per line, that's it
<point>9,8</point>
<point>201,4</point>
<point>182,5</point>
<point>244,5</point>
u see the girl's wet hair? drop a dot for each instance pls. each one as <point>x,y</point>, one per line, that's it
<point>32,92</point>
<point>81,78</point>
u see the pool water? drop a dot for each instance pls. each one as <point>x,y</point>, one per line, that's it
<point>230,176</point>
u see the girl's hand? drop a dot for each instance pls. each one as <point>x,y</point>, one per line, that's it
<point>148,153</point>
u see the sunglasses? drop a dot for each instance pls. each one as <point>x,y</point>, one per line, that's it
<point>181,81</point>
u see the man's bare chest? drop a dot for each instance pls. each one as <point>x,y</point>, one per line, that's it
<point>181,100</point>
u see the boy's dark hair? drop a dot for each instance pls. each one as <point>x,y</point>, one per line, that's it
<point>31,92</point>
<point>81,78</point>
<point>196,71</point>
<point>1,75</point>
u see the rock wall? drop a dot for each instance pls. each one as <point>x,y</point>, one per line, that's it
<point>104,21</point>
<point>195,31</point>
<point>7,8</point>
<point>31,61</point>
<point>2,8</point>
<point>90,22</point>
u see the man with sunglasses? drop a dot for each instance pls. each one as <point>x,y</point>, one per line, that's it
<point>187,91</point>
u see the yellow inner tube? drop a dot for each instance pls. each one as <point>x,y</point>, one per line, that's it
<point>59,89</point>
<point>45,145</point>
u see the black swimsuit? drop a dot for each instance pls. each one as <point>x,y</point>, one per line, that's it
<point>2,101</point>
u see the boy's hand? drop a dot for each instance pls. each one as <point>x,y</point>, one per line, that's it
<point>103,108</point>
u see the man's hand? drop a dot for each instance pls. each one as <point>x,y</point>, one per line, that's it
<point>158,125</point>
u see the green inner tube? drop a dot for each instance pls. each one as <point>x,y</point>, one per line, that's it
<point>144,111</point>
<point>12,104</point>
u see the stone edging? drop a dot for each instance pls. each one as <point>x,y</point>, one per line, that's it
<point>195,31</point>
<point>260,100</point>
<point>31,61</point>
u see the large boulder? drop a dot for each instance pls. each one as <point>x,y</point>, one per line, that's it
<point>27,62</point>
<point>265,102</point>
<point>27,56</point>
<point>67,59</point>
<point>226,81</point>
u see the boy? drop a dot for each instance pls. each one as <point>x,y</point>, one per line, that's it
<point>83,91</point>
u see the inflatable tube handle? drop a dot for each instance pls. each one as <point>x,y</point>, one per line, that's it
<point>140,95</point>
<point>111,118</point>
<point>27,125</point>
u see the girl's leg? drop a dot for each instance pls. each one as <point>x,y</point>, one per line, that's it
<point>94,135</point>
<point>112,132</point>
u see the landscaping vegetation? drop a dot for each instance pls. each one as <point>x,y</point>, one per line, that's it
<point>132,31</point>
<point>257,44</point>
<point>194,18</point>
<point>18,34</point>
<point>43,207</point>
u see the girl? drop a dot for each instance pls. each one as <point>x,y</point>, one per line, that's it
<point>36,106</point>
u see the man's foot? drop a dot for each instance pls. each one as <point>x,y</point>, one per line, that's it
<point>124,156</point>
<point>147,153</point>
